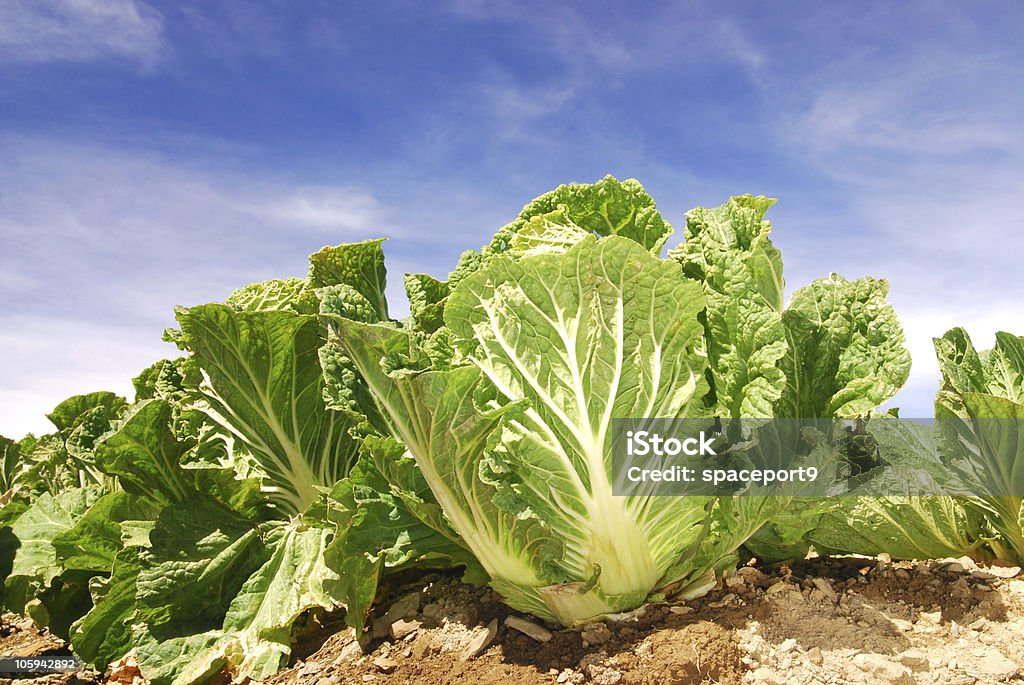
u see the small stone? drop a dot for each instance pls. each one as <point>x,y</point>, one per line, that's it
<point>787,645</point>
<point>310,668</point>
<point>482,641</point>
<point>968,563</point>
<point>369,678</point>
<point>954,629</point>
<point>880,667</point>
<point>996,665</point>
<point>960,680</point>
<point>777,588</point>
<point>350,652</point>
<point>681,609</point>
<point>528,628</point>
<point>384,664</point>
<point>768,676</point>
<point>948,566</point>
<point>405,607</point>
<point>403,628</point>
<point>433,610</point>
<point>902,625</point>
<point>1004,571</point>
<point>815,656</point>
<point>329,680</point>
<point>915,660</point>
<point>564,676</point>
<point>825,587</point>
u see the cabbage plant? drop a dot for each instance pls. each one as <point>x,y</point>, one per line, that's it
<point>503,386</point>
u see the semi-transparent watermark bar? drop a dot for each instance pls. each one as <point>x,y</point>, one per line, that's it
<point>881,456</point>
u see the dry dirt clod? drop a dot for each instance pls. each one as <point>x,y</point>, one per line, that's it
<point>529,628</point>
<point>880,667</point>
<point>915,660</point>
<point>768,677</point>
<point>595,634</point>
<point>329,680</point>
<point>997,666</point>
<point>481,641</point>
<point>601,674</point>
<point>825,587</point>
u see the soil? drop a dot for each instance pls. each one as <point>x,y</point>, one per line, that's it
<point>819,621</point>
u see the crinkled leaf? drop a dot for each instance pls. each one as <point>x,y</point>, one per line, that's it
<point>67,412</point>
<point>145,455</point>
<point>727,249</point>
<point>263,385</point>
<point>290,294</point>
<point>104,634</point>
<point>846,349</point>
<point>35,563</point>
<point>608,207</point>
<point>427,297</point>
<point>95,538</point>
<point>359,265</point>
<point>201,553</point>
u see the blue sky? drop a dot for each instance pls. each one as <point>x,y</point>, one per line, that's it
<point>154,154</point>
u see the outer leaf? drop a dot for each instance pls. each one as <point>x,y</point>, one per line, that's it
<point>144,454</point>
<point>359,265</point>
<point>290,294</point>
<point>605,208</point>
<point>256,637</point>
<point>847,351</point>
<point>12,467</point>
<point>104,634</point>
<point>263,384</point>
<point>910,527</point>
<point>67,412</point>
<point>35,563</point>
<point>727,249</point>
<point>377,529</point>
<point>201,554</point>
<point>95,538</point>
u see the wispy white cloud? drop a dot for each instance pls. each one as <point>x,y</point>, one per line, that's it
<point>50,358</point>
<point>79,30</point>
<point>332,209</point>
<point>98,244</point>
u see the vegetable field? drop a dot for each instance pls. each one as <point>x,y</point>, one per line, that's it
<point>308,463</point>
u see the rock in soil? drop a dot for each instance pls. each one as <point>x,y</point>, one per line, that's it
<point>481,642</point>
<point>529,628</point>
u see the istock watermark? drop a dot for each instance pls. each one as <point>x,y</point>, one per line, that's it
<point>880,456</point>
